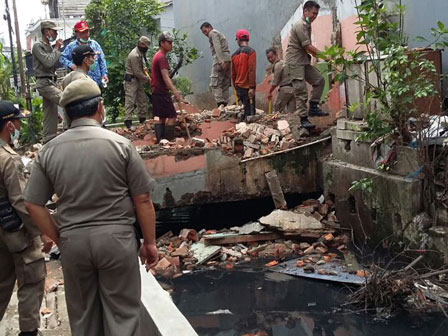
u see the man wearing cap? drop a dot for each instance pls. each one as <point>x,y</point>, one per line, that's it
<point>83,57</point>
<point>45,58</point>
<point>21,257</point>
<point>162,104</point>
<point>98,72</point>
<point>103,189</point>
<point>220,77</point>
<point>285,100</point>
<point>299,68</point>
<point>136,75</point>
<point>244,68</point>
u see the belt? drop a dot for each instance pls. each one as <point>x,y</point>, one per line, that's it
<point>285,85</point>
<point>47,77</point>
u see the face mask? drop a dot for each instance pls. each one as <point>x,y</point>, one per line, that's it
<point>143,49</point>
<point>15,137</point>
<point>92,66</point>
<point>50,38</point>
<point>84,41</point>
<point>307,19</point>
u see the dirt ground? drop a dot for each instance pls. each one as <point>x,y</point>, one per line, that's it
<point>54,318</point>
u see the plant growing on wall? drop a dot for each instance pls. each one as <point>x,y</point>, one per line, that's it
<point>6,93</point>
<point>117,25</point>
<point>402,75</point>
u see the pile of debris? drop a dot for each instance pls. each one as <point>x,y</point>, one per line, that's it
<point>390,291</point>
<point>280,235</point>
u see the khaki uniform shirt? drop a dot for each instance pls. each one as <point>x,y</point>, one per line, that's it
<point>134,65</point>
<point>280,77</point>
<point>12,185</point>
<point>299,38</point>
<point>219,47</point>
<point>45,58</point>
<point>72,76</point>
<point>94,172</point>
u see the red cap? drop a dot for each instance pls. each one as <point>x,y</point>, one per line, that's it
<point>81,26</point>
<point>241,34</point>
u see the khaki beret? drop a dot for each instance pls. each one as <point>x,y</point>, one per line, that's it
<point>48,24</point>
<point>79,90</point>
<point>145,40</point>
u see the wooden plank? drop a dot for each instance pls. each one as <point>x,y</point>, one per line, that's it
<point>351,261</point>
<point>237,239</point>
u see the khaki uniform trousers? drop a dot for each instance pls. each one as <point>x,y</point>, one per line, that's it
<point>220,83</point>
<point>21,259</point>
<point>285,100</point>
<point>135,96</point>
<point>102,281</point>
<point>51,95</point>
<point>300,75</point>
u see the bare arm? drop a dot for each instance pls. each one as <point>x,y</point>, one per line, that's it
<point>147,219</point>
<point>170,85</point>
<point>312,50</point>
<point>42,219</point>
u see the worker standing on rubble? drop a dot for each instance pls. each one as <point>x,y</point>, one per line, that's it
<point>45,58</point>
<point>285,100</point>
<point>299,68</point>
<point>162,104</point>
<point>244,68</point>
<point>21,257</point>
<point>102,191</point>
<point>136,75</point>
<point>98,71</point>
<point>220,77</point>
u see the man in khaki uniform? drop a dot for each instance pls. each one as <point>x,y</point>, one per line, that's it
<point>220,77</point>
<point>21,257</point>
<point>45,58</point>
<point>136,75</point>
<point>103,188</point>
<point>299,68</point>
<point>285,100</point>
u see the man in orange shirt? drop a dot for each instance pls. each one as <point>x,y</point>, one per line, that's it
<point>244,67</point>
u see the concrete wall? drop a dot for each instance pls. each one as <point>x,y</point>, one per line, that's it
<point>420,17</point>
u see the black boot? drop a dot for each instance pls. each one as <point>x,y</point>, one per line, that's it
<point>160,130</point>
<point>141,120</point>
<point>305,123</point>
<point>128,123</point>
<point>169,132</point>
<point>315,110</point>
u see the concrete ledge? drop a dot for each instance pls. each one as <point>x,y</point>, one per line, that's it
<point>167,320</point>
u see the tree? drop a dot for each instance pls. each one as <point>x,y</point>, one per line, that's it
<point>6,93</point>
<point>117,26</point>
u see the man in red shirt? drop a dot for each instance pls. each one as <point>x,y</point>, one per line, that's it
<point>163,107</point>
<point>244,67</point>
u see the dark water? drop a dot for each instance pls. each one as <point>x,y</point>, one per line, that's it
<point>281,305</point>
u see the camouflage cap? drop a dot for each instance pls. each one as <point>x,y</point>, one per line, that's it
<point>145,40</point>
<point>166,36</point>
<point>79,90</point>
<point>48,24</point>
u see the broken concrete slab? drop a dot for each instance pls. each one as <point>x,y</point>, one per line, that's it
<point>232,238</point>
<point>250,228</point>
<point>290,221</point>
<point>203,252</point>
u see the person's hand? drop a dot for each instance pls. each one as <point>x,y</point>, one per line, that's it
<point>251,93</point>
<point>105,79</point>
<point>47,243</point>
<point>148,255</point>
<point>59,43</point>
<point>224,66</point>
<point>270,96</point>
<point>73,67</point>
<point>177,96</point>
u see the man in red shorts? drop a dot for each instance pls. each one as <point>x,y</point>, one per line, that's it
<point>161,84</point>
